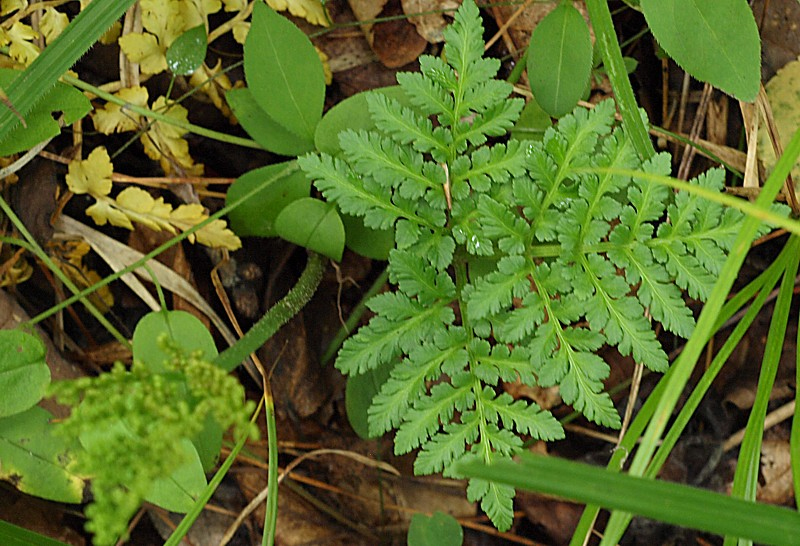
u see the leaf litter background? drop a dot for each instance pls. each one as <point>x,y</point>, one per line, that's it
<point>341,489</point>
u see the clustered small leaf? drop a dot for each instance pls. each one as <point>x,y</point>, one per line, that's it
<point>131,424</point>
<point>514,260</point>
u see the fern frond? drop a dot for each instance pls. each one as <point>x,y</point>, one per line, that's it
<point>494,291</point>
<point>416,277</point>
<point>406,126</point>
<point>496,164</point>
<point>425,92</point>
<point>450,444</point>
<point>495,121</point>
<point>499,223</point>
<point>526,417</point>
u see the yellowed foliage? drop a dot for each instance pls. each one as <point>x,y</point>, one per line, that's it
<point>312,11</point>
<point>212,83</point>
<point>93,176</point>
<point>165,143</point>
<point>240,31</point>
<point>70,256</point>
<point>234,5</point>
<point>53,22</point>
<point>112,119</point>
<point>19,39</point>
<point>112,34</point>
<point>144,49</point>
<point>196,12</point>
<point>10,6</point>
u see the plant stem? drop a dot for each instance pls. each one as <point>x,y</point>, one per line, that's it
<point>278,315</point>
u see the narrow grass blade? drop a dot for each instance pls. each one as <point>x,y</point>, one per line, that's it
<point>664,501</point>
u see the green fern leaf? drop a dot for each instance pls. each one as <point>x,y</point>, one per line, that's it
<point>450,444</point>
<point>526,417</point>
<point>406,126</point>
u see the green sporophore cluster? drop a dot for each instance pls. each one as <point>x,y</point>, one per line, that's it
<point>513,261</point>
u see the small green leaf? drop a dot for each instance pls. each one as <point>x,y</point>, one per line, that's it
<point>532,122</point>
<point>23,371</point>
<point>284,72</point>
<point>270,134</point>
<point>351,113</point>
<point>358,395</point>
<point>560,59</point>
<point>180,490</point>
<point>188,51</point>
<point>185,330</point>
<point>35,460</point>
<point>256,216</point>
<point>313,224</point>
<point>41,120</point>
<point>716,42</point>
<point>440,529</point>
<point>366,241</point>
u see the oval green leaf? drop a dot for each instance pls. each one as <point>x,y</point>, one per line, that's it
<point>23,371</point>
<point>284,72</point>
<point>35,460</point>
<point>183,487</point>
<point>270,134</point>
<point>313,224</point>
<point>367,241</point>
<point>358,395</point>
<point>41,120</point>
<point>351,113</point>
<point>188,51</point>
<point>560,60</point>
<point>184,330</point>
<point>256,216</point>
<point>440,529</point>
<point>716,42</point>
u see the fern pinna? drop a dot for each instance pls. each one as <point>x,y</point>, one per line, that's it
<point>514,261</point>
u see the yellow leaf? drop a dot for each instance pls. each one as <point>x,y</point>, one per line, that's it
<point>234,5</point>
<point>141,207</point>
<point>163,18</point>
<point>215,234</point>
<point>164,142</point>
<point>144,48</point>
<point>214,85</point>
<point>104,211</point>
<point>112,34</point>
<point>52,23</point>
<point>326,67</point>
<point>240,31</point>
<point>196,12</point>
<point>311,10</point>
<point>112,119</point>
<point>70,259</point>
<point>21,48</point>
<point>91,175</point>
<point>8,6</point>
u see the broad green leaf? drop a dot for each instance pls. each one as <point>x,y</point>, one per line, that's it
<point>532,122</point>
<point>366,241</point>
<point>24,374</point>
<point>41,120</point>
<point>560,60</point>
<point>256,216</point>
<point>35,460</point>
<point>183,329</point>
<point>284,72</point>
<point>11,535</point>
<point>351,113</point>
<point>313,224</point>
<point>716,42</point>
<point>188,51</point>
<point>270,134</point>
<point>180,490</point>
<point>439,529</point>
<point>656,499</point>
<point>358,395</point>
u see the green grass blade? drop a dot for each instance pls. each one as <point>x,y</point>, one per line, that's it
<point>745,481</point>
<point>664,501</point>
<point>794,438</point>
<point>59,57</point>
<point>618,76</point>
<point>11,535</point>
